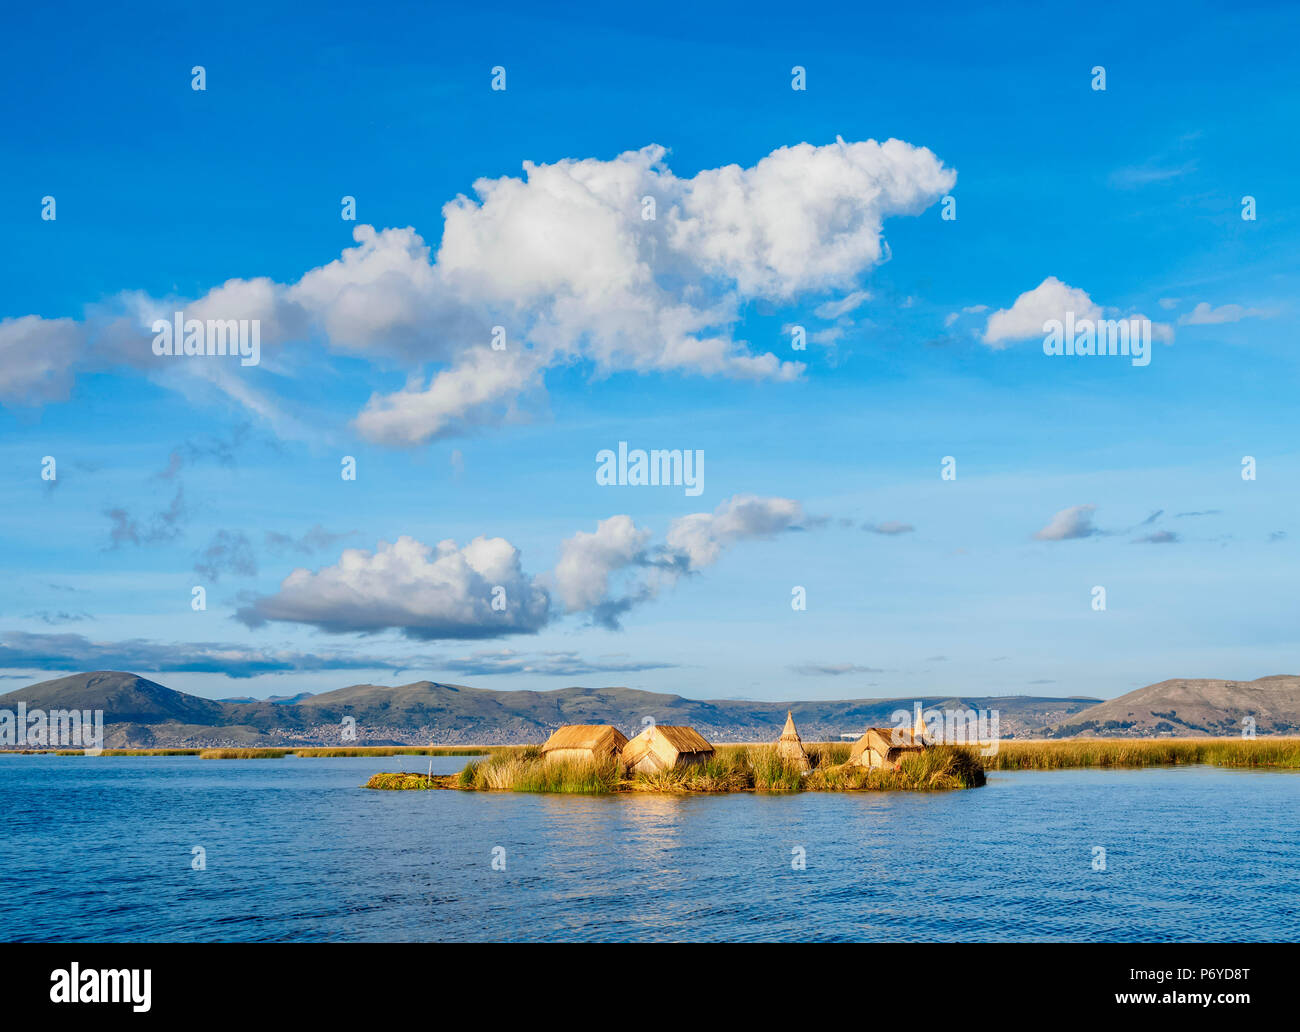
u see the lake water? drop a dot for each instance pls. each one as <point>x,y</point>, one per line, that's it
<point>101,850</point>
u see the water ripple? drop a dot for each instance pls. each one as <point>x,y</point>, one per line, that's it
<point>295,850</point>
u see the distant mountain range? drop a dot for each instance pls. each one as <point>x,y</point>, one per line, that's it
<point>142,713</point>
<point>271,698</point>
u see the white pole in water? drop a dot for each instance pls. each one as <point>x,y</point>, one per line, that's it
<point>431,770</point>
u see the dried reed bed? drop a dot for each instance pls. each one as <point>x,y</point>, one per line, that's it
<point>524,770</point>
<point>941,768</point>
<point>1112,752</point>
<point>404,781</point>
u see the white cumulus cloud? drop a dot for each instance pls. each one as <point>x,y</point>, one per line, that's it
<point>588,561</point>
<point>425,592</point>
<point>447,592</point>
<point>1048,301</point>
<point>561,259</point>
<point>1051,299</point>
<point>700,538</point>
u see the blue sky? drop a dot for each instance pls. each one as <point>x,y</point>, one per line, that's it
<point>200,472</point>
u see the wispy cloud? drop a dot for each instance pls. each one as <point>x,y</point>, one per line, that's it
<point>229,551</point>
<point>1132,177</point>
<point>832,669</point>
<point>1205,314</point>
<point>59,616</point>
<point>164,525</point>
<point>846,304</point>
<point>889,527</point>
<point>547,664</point>
<point>60,652</point>
<point>317,539</point>
<point>1159,537</point>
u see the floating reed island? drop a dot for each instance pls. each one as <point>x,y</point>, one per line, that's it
<point>597,759</point>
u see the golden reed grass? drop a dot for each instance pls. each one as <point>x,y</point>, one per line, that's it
<point>1119,752</point>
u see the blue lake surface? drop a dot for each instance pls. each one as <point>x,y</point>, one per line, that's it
<point>101,850</point>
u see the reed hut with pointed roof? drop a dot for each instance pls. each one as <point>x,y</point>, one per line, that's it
<point>665,747</point>
<point>584,743</point>
<point>790,746</point>
<point>885,747</point>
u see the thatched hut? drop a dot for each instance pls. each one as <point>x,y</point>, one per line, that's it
<point>790,746</point>
<point>885,747</point>
<point>585,743</point>
<point>663,747</point>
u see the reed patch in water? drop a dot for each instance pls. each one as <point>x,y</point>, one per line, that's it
<point>940,768</point>
<point>1109,752</point>
<point>402,781</point>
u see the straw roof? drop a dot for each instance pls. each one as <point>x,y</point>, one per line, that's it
<point>884,740</point>
<point>596,737</point>
<point>661,746</point>
<point>684,739</point>
<point>790,746</point>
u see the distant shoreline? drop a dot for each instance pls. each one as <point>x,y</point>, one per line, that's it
<point>1280,751</point>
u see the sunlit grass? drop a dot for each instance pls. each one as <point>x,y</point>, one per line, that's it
<point>402,781</point>
<point>1094,752</point>
<point>940,768</point>
<point>524,770</point>
<point>827,754</point>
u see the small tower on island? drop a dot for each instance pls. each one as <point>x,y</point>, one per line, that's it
<point>789,746</point>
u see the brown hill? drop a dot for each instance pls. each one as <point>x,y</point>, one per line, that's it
<point>1189,707</point>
